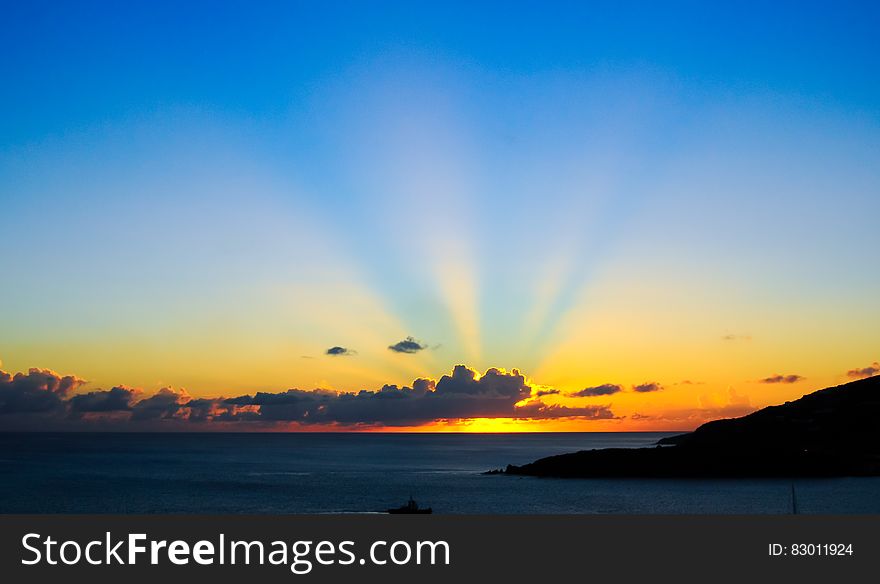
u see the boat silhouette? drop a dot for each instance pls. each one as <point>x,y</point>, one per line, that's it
<point>411,508</point>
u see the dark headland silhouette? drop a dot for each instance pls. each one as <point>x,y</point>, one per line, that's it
<point>831,432</point>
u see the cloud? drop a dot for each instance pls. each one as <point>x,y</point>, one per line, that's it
<point>736,338</point>
<point>494,382</point>
<point>543,392</point>
<point>461,394</point>
<point>647,387</point>
<point>340,352</point>
<point>34,392</point>
<point>689,382</point>
<point>408,345</point>
<point>217,410</point>
<point>165,404</point>
<point>872,369</point>
<point>537,410</point>
<point>782,379</point>
<point>604,389</point>
<point>117,399</point>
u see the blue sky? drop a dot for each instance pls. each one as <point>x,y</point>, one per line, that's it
<point>262,60</point>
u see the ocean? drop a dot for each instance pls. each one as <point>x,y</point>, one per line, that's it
<point>363,473</point>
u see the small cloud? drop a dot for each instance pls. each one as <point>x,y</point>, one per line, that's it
<point>408,345</point>
<point>870,370</point>
<point>604,389</point>
<point>340,352</point>
<point>689,382</point>
<point>731,337</point>
<point>647,387</point>
<point>543,392</point>
<point>781,379</point>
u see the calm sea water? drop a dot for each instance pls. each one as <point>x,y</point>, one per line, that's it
<point>343,473</point>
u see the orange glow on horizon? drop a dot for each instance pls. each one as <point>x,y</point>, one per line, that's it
<point>511,425</point>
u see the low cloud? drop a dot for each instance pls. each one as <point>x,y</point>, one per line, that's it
<point>782,379</point>
<point>35,392</point>
<point>604,389</point>
<point>647,387</point>
<point>166,404</point>
<point>408,345</point>
<point>339,352</point>
<point>860,373</point>
<point>117,399</point>
<point>732,337</point>
<point>541,411</point>
<point>462,394</point>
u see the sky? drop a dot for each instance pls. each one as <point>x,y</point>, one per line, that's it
<point>529,216</point>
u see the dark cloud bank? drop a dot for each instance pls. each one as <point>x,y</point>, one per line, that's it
<point>35,392</point>
<point>42,399</point>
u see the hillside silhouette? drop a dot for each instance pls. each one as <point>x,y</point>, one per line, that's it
<point>831,432</point>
